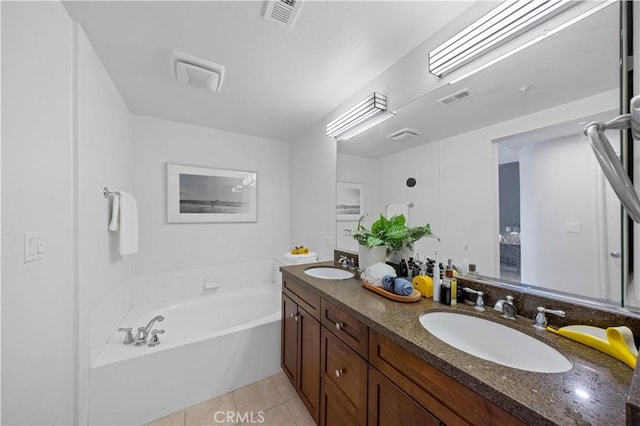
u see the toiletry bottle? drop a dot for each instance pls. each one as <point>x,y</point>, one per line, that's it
<point>436,280</point>
<point>445,289</point>
<point>465,261</point>
<point>453,283</point>
<point>403,269</point>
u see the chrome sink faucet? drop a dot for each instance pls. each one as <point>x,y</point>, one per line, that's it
<point>507,308</point>
<point>347,262</point>
<point>540,320</point>
<point>143,332</point>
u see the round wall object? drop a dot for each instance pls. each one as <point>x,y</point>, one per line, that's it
<point>411,182</point>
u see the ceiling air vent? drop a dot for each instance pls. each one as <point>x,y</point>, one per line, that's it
<point>402,134</point>
<point>192,71</point>
<point>282,12</point>
<point>456,97</point>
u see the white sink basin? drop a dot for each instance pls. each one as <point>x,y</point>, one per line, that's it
<point>329,273</point>
<point>494,342</point>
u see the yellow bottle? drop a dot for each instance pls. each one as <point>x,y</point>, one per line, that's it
<point>453,283</point>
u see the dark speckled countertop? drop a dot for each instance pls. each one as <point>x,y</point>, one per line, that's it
<point>594,391</point>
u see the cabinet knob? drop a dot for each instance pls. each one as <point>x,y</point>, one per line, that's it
<point>339,325</point>
<point>296,316</point>
<point>339,373</point>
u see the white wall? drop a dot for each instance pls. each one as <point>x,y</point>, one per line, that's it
<point>104,145</point>
<point>164,246</point>
<point>38,369</point>
<point>554,193</point>
<point>313,191</point>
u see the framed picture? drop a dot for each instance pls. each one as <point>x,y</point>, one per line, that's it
<point>203,194</point>
<point>349,203</point>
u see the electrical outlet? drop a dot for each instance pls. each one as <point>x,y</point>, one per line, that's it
<point>572,227</point>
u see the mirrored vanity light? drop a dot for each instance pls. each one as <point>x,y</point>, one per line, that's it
<point>369,112</point>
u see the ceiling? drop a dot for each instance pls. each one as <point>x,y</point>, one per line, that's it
<point>278,82</point>
<point>580,61</point>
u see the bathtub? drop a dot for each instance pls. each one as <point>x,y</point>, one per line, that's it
<point>212,344</point>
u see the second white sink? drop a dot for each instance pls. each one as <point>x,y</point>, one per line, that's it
<point>494,342</point>
<point>329,273</point>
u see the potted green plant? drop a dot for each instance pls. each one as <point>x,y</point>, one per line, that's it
<point>386,237</point>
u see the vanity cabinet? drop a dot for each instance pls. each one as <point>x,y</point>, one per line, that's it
<point>348,374</point>
<point>300,352</point>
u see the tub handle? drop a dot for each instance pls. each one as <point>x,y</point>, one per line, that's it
<point>153,340</point>
<point>339,326</point>
<point>128,337</point>
<point>339,373</point>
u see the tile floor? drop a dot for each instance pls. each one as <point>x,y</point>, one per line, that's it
<point>272,401</point>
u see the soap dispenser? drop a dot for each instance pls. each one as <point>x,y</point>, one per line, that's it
<point>436,279</point>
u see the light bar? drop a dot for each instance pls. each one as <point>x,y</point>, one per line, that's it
<point>366,114</point>
<point>500,25</point>
<point>535,40</point>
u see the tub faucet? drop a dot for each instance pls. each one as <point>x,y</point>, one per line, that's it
<point>143,332</point>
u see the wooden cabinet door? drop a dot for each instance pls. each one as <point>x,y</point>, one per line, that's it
<point>390,406</point>
<point>289,349</point>
<point>309,362</point>
<point>334,411</point>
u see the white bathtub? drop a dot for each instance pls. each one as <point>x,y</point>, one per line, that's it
<point>212,344</point>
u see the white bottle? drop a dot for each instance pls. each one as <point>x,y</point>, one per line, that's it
<point>436,280</point>
<point>465,262</point>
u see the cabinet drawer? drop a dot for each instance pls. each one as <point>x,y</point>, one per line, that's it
<point>390,406</point>
<point>345,371</point>
<point>305,298</point>
<point>443,396</point>
<point>347,328</point>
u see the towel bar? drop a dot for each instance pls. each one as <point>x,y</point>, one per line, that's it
<point>107,193</point>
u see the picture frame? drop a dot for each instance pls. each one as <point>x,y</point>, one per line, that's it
<point>208,195</point>
<point>349,201</point>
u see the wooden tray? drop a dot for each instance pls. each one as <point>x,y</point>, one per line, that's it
<point>414,297</point>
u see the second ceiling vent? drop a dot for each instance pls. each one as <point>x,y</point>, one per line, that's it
<point>456,97</point>
<point>282,12</point>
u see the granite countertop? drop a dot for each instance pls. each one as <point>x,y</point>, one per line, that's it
<point>594,391</point>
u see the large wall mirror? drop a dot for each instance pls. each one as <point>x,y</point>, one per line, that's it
<point>504,174</point>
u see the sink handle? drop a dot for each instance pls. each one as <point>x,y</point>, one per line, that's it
<point>479,306</point>
<point>540,320</point>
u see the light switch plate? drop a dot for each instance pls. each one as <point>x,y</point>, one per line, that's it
<point>33,246</point>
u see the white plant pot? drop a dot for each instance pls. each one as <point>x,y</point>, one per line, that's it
<point>369,256</point>
<point>397,256</point>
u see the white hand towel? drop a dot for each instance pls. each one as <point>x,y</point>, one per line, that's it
<point>397,209</point>
<point>128,224</point>
<point>114,225</point>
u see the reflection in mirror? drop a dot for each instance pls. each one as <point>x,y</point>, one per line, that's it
<point>516,140</point>
<point>559,218</point>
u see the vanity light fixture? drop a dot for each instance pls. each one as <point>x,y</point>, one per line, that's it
<point>369,112</point>
<point>535,40</point>
<point>500,25</point>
